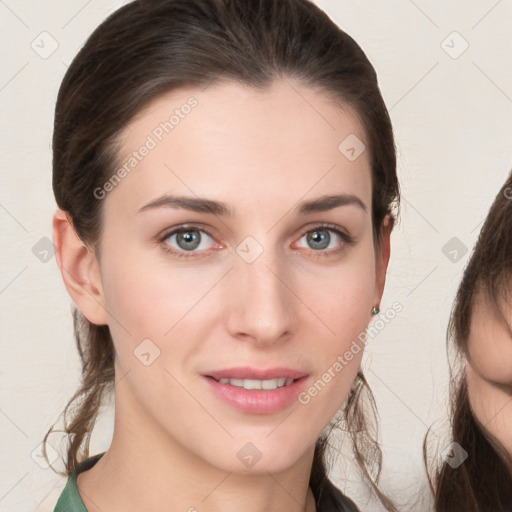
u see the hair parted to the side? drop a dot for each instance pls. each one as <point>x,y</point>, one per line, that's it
<point>482,483</point>
<point>150,47</point>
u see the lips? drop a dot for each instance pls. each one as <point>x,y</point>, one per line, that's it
<point>248,373</point>
<point>256,390</point>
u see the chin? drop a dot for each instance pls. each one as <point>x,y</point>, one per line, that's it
<point>252,458</point>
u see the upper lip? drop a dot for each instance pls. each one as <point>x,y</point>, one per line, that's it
<point>246,372</point>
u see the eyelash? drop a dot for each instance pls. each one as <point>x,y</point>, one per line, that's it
<point>347,239</point>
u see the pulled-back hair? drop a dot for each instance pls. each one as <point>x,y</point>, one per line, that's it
<point>482,483</point>
<point>150,47</point>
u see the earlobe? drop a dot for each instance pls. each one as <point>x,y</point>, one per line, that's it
<point>79,268</point>
<point>382,257</point>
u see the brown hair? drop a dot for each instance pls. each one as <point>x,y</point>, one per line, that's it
<point>482,482</point>
<point>150,47</point>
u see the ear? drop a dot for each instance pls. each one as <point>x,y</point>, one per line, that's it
<point>382,257</point>
<point>79,268</point>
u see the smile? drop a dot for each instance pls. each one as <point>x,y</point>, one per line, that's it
<point>249,384</point>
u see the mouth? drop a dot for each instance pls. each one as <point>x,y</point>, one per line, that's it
<point>267,384</point>
<point>257,378</point>
<point>257,391</point>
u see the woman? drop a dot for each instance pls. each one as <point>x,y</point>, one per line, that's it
<point>225,174</point>
<point>476,474</point>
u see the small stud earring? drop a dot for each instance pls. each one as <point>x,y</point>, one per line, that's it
<point>375,311</point>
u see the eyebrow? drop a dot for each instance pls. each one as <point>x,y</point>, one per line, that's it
<point>203,205</point>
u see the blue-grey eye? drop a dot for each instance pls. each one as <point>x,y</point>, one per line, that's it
<point>189,239</point>
<point>320,239</point>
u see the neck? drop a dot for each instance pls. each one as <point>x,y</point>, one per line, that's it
<point>145,469</point>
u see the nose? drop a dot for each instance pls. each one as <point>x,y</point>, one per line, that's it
<point>261,303</point>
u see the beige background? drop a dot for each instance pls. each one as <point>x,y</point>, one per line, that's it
<point>452,114</point>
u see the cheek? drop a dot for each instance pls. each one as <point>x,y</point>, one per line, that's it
<point>490,350</point>
<point>342,295</point>
<point>147,301</point>
<point>345,308</point>
<point>492,360</point>
<point>343,303</point>
<point>152,312</point>
<point>149,295</point>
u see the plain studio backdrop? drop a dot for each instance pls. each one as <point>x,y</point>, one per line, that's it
<point>444,71</point>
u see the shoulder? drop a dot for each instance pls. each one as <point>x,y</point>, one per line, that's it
<point>331,499</point>
<point>70,500</point>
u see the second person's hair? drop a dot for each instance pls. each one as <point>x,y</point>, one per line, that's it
<point>482,483</point>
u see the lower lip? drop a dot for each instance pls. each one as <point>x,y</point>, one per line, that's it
<point>257,401</point>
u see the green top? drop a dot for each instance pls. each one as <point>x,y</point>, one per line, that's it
<point>70,500</point>
<point>331,500</point>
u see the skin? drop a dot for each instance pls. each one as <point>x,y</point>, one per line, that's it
<point>489,372</point>
<point>175,444</point>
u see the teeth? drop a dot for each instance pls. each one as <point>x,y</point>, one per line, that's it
<point>258,384</point>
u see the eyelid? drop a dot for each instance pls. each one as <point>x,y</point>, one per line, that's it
<point>328,227</point>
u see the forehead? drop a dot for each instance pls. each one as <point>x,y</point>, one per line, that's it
<point>287,139</point>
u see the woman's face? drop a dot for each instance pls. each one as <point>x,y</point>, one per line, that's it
<point>489,372</point>
<point>276,284</point>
